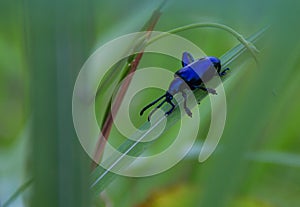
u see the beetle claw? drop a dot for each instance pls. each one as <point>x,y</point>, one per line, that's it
<point>212,91</point>
<point>188,111</point>
<point>169,112</point>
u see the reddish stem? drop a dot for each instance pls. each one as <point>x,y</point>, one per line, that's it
<point>103,137</point>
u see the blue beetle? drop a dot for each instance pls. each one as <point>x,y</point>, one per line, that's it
<point>193,73</point>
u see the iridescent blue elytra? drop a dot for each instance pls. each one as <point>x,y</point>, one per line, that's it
<point>193,73</point>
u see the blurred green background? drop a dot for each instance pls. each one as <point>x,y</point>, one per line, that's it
<point>43,45</point>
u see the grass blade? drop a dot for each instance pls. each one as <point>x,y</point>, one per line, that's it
<point>19,191</point>
<point>128,69</point>
<point>101,177</point>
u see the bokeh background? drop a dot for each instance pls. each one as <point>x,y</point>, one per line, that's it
<point>43,45</point>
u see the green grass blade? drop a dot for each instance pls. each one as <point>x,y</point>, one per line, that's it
<point>19,191</point>
<point>101,177</point>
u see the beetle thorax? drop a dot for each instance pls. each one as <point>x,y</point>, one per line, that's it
<point>176,86</point>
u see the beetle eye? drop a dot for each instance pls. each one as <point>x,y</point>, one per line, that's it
<point>217,66</point>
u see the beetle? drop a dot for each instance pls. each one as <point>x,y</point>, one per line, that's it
<point>194,73</point>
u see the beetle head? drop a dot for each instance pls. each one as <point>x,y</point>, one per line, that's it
<point>216,62</point>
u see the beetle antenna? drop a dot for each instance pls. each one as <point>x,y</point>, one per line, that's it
<point>151,104</point>
<point>154,110</point>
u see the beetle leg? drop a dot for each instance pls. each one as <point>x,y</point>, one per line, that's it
<point>151,104</point>
<point>187,110</point>
<point>209,90</point>
<point>171,110</point>
<point>154,110</point>
<point>187,58</point>
<point>223,72</point>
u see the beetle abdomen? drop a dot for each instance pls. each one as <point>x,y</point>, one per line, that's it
<point>197,72</point>
<point>189,76</point>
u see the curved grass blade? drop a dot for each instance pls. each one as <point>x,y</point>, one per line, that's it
<point>248,45</point>
<point>101,177</point>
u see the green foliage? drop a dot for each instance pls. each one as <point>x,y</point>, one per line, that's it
<point>44,44</point>
<point>101,178</point>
